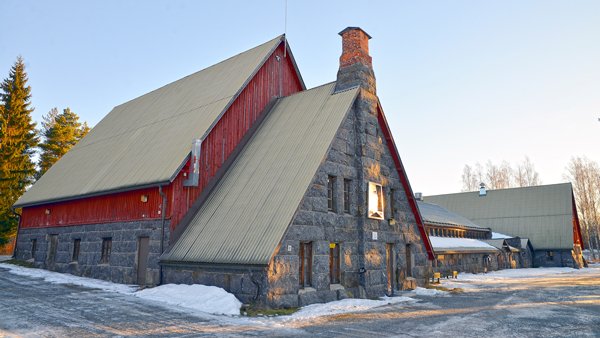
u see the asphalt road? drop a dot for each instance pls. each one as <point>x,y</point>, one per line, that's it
<point>566,305</point>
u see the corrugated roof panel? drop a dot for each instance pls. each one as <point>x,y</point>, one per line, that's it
<point>541,213</point>
<point>433,213</point>
<point>245,217</point>
<point>145,140</point>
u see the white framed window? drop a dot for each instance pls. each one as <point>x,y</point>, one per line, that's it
<point>375,201</point>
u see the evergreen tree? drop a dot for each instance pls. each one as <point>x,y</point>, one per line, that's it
<point>18,140</point>
<point>60,132</point>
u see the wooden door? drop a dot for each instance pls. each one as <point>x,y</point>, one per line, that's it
<point>142,266</point>
<point>389,262</point>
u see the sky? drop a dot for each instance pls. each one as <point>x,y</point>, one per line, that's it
<point>460,82</point>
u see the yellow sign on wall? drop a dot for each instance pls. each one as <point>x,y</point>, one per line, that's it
<point>332,245</point>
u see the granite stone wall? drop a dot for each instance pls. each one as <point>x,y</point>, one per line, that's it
<point>560,258</point>
<point>358,154</point>
<point>466,262</point>
<point>123,260</point>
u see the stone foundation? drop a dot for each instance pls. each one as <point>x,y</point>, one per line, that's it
<point>123,260</point>
<point>560,258</point>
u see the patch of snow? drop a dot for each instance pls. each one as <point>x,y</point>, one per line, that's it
<point>209,299</point>
<point>65,278</point>
<point>4,258</point>
<point>497,235</point>
<point>450,242</point>
<point>344,306</point>
<point>430,292</point>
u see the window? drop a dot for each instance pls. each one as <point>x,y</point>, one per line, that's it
<point>51,259</point>
<point>334,263</point>
<point>76,246</point>
<point>375,199</point>
<point>347,184</point>
<point>392,203</point>
<point>305,254</point>
<point>33,248</point>
<point>549,255</point>
<point>106,247</point>
<point>331,200</point>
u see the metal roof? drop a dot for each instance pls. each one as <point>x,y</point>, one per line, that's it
<point>450,245</point>
<point>146,140</point>
<point>544,214</point>
<point>433,213</point>
<point>248,212</point>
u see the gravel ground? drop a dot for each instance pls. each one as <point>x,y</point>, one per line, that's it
<point>552,305</point>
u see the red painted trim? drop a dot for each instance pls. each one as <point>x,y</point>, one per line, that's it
<point>577,230</point>
<point>404,180</point>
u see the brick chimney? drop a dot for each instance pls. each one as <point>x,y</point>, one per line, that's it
<point>355,62</point>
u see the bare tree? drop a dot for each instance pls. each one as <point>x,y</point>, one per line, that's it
<point>498,176</point>
<point>470,180</point>
<point>584,174</point>
<point>525,174</point>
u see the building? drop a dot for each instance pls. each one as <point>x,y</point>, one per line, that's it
<point>458,243</point>
<point>546,215</point>
<point>286,197</point>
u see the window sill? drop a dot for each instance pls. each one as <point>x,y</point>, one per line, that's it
<point>335,287</point>
<point>306,289</point>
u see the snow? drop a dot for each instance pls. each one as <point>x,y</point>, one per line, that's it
<point>209,299</point>
<point>447,242</point>
<point>344,306</point>
<point>65,278</point>
<point>430,292</point>
<point>497,235</point>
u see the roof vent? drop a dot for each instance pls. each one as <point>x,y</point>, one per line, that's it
<point>482,191</point>
<point>194,173</point>
<point>419,196</point>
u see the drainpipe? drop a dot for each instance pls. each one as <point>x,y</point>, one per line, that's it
<point>18,228</point>
<point>162,234</point>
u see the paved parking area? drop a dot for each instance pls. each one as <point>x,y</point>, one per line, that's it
<point>554,305</point>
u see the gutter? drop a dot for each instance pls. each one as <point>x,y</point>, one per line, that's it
<point>162,234</point>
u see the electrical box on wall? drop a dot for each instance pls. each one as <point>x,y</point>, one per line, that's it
<point>374,235</point>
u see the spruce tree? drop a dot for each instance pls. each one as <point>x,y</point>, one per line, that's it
<point>60,132</point>
<point>18,140</point>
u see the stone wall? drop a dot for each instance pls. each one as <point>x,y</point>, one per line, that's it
<point>123,259</point>
<point>560,258</point>
<point>466,262</point>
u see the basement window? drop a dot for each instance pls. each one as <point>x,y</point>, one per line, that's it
<point>375,199</point>
<point>76,248</point>
<point>106,248</point>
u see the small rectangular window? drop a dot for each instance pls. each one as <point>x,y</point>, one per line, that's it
<point>305,270</point>
<point>347,184</point>
<point>375,198</point>
<point>33,248</point>
<point>76,246</point>
<point>331,200</point>
<point>106,248</point>
<point>334,263</point>
<point>549,255</point>
<point>392,203</point>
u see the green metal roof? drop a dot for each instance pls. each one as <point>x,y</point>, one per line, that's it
<point>146,140</point>
<point>543,213</point>
<point>246,215</point>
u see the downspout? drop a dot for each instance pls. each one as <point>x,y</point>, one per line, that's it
<point>18,228</point>
<point>162,234</point>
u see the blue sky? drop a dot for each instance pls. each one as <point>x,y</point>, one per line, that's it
<point>460,81</point>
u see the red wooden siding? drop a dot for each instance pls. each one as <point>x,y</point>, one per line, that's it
<point>216,148</point>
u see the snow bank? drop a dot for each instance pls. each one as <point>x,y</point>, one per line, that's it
<point>209,299</point>
<point>430,292</point>
<point>450,242</point>
<point>65,278</point>
<point>344,306</point>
